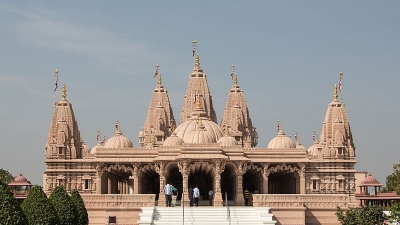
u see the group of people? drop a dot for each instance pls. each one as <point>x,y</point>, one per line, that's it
<point>171,194</point>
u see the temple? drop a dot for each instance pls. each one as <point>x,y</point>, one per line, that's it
<point>119,179</point>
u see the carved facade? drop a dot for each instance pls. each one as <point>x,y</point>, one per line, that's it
<point>198,151</point>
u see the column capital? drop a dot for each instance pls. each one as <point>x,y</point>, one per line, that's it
<point>241,168</point>
<point>160,167</point>
<point>183,166</point>
<point>219,165</point>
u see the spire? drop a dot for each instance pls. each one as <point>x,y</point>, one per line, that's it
<point>63,140</point>
<point>336,137</point>
<point>160,117</point>
<point>236,115</point>
<point>197,86</point>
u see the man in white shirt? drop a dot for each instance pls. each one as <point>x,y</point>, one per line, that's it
<point>168,194</point>
<point>210,196</point>
<point>196,194</point>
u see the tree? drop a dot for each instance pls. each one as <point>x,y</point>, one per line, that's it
<point>83,218</point>
<point>366,215</point>
<point>10,210</point>
<point>393,180</point>
<point>64,207</point>
<point>38,209</point>
<point>5,176</point>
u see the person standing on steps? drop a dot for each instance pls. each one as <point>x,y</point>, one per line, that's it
<point>210,196</point>
<point>168,194</point>
<point>190,191</point>
<point>196,195</point>
<point>246,194</point>
<point>174,196</point>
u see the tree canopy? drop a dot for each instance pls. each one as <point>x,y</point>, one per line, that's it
<point>393,180</point>
<point>83,218</point>
<point>38,209</point>
<point>5,176</point>
<point>10,210</point>
<point>64,207</point>
<point>366,215</point>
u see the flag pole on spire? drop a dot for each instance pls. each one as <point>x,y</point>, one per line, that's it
<point>340,85</point>
<point>194,43</point>
<point>56,83</point>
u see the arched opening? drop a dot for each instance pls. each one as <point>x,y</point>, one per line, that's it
<point>253,179</point>
<point>115,179</point>
<point>203,178</point>
<point>229,183</point>
<point>283,182</point>
<point>149,182</point>
<point>175,177</point>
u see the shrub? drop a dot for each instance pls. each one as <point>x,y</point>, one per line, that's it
<point>10,210</point>
<point>63,206</point>
<point>76,198</point>
<point>38,209</point>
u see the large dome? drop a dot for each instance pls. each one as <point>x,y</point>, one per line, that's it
<point>118,141</point>
<point>281,141</point>
<point>185,129</point>
<point>173,140</point>
<point>200,135</point>
<point>94,149</point>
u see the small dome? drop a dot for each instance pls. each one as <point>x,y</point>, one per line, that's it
<point>227,141</point>
<point>185,129</point>
<point>118,141</point>
<point>281,141</point>
<point>200,136</point>
<point>85,149</point>
<point>94,149</point>
<point>173,140</point>
<point>370,181</point>
<point>313,150</point>
<point>20,178</point>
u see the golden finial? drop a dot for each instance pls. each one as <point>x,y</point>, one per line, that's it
<point>56,71</point>
<point>64,92</point>
<point>159,79</point>
<point>194,42</point>
<point>341,73</point>
<point>197,61</point>
<point>233,75</point>
<point>335,93</point>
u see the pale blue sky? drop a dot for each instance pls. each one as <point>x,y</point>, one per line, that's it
<point>288,55</point>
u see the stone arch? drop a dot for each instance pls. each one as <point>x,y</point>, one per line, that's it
<point>229,181</point>
<point>148,179</point>
<point>252,178</point>
<point>115,178</point>
<point>202,174</point>
<point>284,179</point>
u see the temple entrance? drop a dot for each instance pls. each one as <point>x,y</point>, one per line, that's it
<point>204,180</point>
<point>253,180</point>
<point>229,183</point>
<point>175,177</point>
<point>284,182</point>
<point>115,179</point>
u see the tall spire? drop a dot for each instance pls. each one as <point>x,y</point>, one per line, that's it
<point>236,116</point>
<point>63,140</point>
<point>197,86</point>
<point>160,117</point>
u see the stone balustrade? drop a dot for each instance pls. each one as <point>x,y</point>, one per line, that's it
<point>115,201</point>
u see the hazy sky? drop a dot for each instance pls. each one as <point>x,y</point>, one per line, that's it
<point>288,55</point>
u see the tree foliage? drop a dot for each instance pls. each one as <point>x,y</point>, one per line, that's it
<point>83,218</point>
<point>10,210</point>
<point>38,209</point>
<point>366,215</point>
<point>393,180</point>
<point>5,176</point>
<point>64,207</point>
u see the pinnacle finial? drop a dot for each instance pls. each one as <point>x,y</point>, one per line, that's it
<point>64,92</point>
<point>341,73</point>
<point>197,61</point>
<point>117,126</point>
<point>233,75</point>
<point>198,100</point>
<point>56,71</point>
<point>335,93</point>
<point>296,135</point>
<point>279,126</point>
<point>159,81</point>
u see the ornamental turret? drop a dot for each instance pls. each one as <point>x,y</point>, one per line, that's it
<point>336,139</point>
<point>160,117</point>
<point>64,139</point>
<point>236,118</point>
<point>197,86</point>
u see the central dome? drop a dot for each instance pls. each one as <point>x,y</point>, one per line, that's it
<point>185,129</point>
<point>281,141</point>
<point>118,141</point>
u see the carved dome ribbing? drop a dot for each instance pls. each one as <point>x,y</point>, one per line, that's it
<point>185,129</point>
<point>227,141</point>
<point>281,141</point>
<point>173,140</point>
<point>200,135</point>
<point>118,141</point>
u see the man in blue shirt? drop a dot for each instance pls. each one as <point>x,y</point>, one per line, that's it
<point>168,194</point>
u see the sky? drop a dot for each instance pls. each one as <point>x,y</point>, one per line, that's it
<point>288,55</point>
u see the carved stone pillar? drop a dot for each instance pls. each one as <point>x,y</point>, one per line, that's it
<point>135,176</point>
<point>159,166</point>
<point>183,168</point>
<point>241,169</point>
<point>99,174</point>
<point>109,185</point>
<point>219,168</point>
<point>265,176</point>
<point>302,178</point>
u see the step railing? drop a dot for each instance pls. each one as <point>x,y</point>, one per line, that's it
<point>228,211</point>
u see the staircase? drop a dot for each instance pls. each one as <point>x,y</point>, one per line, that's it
<point>206,215</point>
